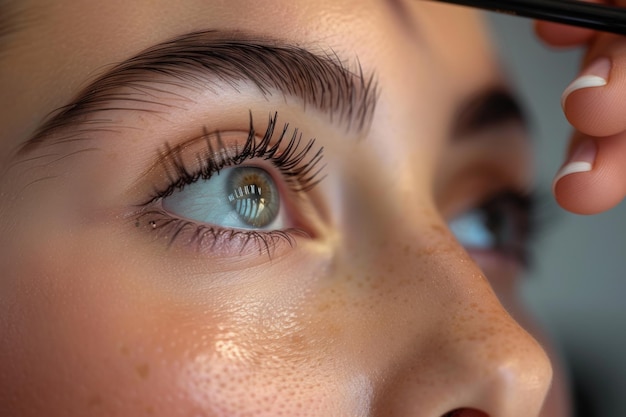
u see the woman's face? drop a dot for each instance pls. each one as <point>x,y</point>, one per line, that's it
<point>244,210</point>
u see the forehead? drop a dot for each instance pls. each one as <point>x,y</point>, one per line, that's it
<point>53,49</point>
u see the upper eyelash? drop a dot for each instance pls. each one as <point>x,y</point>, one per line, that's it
<point>300,173</point>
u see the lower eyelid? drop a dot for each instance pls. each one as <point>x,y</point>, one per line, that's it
<point>212,240</point>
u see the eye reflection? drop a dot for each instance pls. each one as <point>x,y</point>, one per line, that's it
<point>241,197</point>
<point>254,196</point>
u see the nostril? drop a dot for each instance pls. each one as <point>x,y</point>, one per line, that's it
<point>465,412</point>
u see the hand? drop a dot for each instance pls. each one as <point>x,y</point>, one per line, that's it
<point>593,178</point>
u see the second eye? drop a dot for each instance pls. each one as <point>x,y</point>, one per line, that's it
<point>240,197</point>
<point>503,224</point>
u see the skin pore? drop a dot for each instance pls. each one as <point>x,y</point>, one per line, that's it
<point>116,300</point>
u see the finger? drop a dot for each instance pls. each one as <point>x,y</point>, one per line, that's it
<point>595,102</point>
<point>556,34</point>
<point>593,179</point>
<point>559,35</point>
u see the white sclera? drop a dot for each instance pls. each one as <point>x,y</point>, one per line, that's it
<point>471,230</point>
<point>208,202</point>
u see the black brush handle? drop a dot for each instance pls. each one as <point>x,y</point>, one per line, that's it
<point>575,13</point>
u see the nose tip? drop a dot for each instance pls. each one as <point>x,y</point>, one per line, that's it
<point>477,361</point>
<point>502,372</point>
<point>499,370</point>
<point>510,386</point>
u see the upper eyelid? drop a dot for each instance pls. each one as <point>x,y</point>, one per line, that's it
<point>323,81</point>
<point>282,145</point>
<point>168,155</point>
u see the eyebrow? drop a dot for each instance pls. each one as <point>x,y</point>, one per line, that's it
<point>489,108</point>
<point>321,80</point>
<point>12,21</point>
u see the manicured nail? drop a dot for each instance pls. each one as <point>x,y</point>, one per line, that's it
<point>595,75</point>
<point>581,160</point>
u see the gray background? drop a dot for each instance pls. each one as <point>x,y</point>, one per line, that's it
<point>577,286</point>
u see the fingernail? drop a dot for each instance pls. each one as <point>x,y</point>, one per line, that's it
<point>595,75</point>
<point>581,160</point>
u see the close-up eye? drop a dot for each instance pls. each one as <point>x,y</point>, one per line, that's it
<point>502,225</point>
<point>220,188</point>
<point>243,197</point>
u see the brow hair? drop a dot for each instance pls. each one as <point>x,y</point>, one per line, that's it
<point>321,80</point>
<point>11,22</point>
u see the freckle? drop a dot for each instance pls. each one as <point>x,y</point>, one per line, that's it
<point>124,350</point>
<point>143,370</point>
<point>298,340</point>
<point>149,410</point>
<point>438,228</point>
<point>348,277</point>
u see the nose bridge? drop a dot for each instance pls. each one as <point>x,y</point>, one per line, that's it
<point>455,347</point>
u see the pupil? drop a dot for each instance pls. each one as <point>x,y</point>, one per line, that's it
<point>253,196</point>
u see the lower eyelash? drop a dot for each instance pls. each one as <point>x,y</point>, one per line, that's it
<point>208,238</point>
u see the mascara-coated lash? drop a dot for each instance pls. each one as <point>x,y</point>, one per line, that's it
<point>299,164</point>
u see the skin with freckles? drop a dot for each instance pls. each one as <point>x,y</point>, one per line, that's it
<point>117,299</point>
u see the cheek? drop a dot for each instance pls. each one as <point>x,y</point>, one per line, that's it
<point>91,332</point>
<point>86,341</point>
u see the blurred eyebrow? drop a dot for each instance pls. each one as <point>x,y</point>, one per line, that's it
<point>323,80</point>
<point>12,21</point>
<point>490,108</point>
<point>6,22</point>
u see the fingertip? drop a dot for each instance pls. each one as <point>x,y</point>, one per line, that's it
<point>591,181</point>
<point>559,35</point>
<point>591,102</point>
<point>584,193</point>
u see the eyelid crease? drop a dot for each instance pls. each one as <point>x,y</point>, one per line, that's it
<point>324,81</point>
